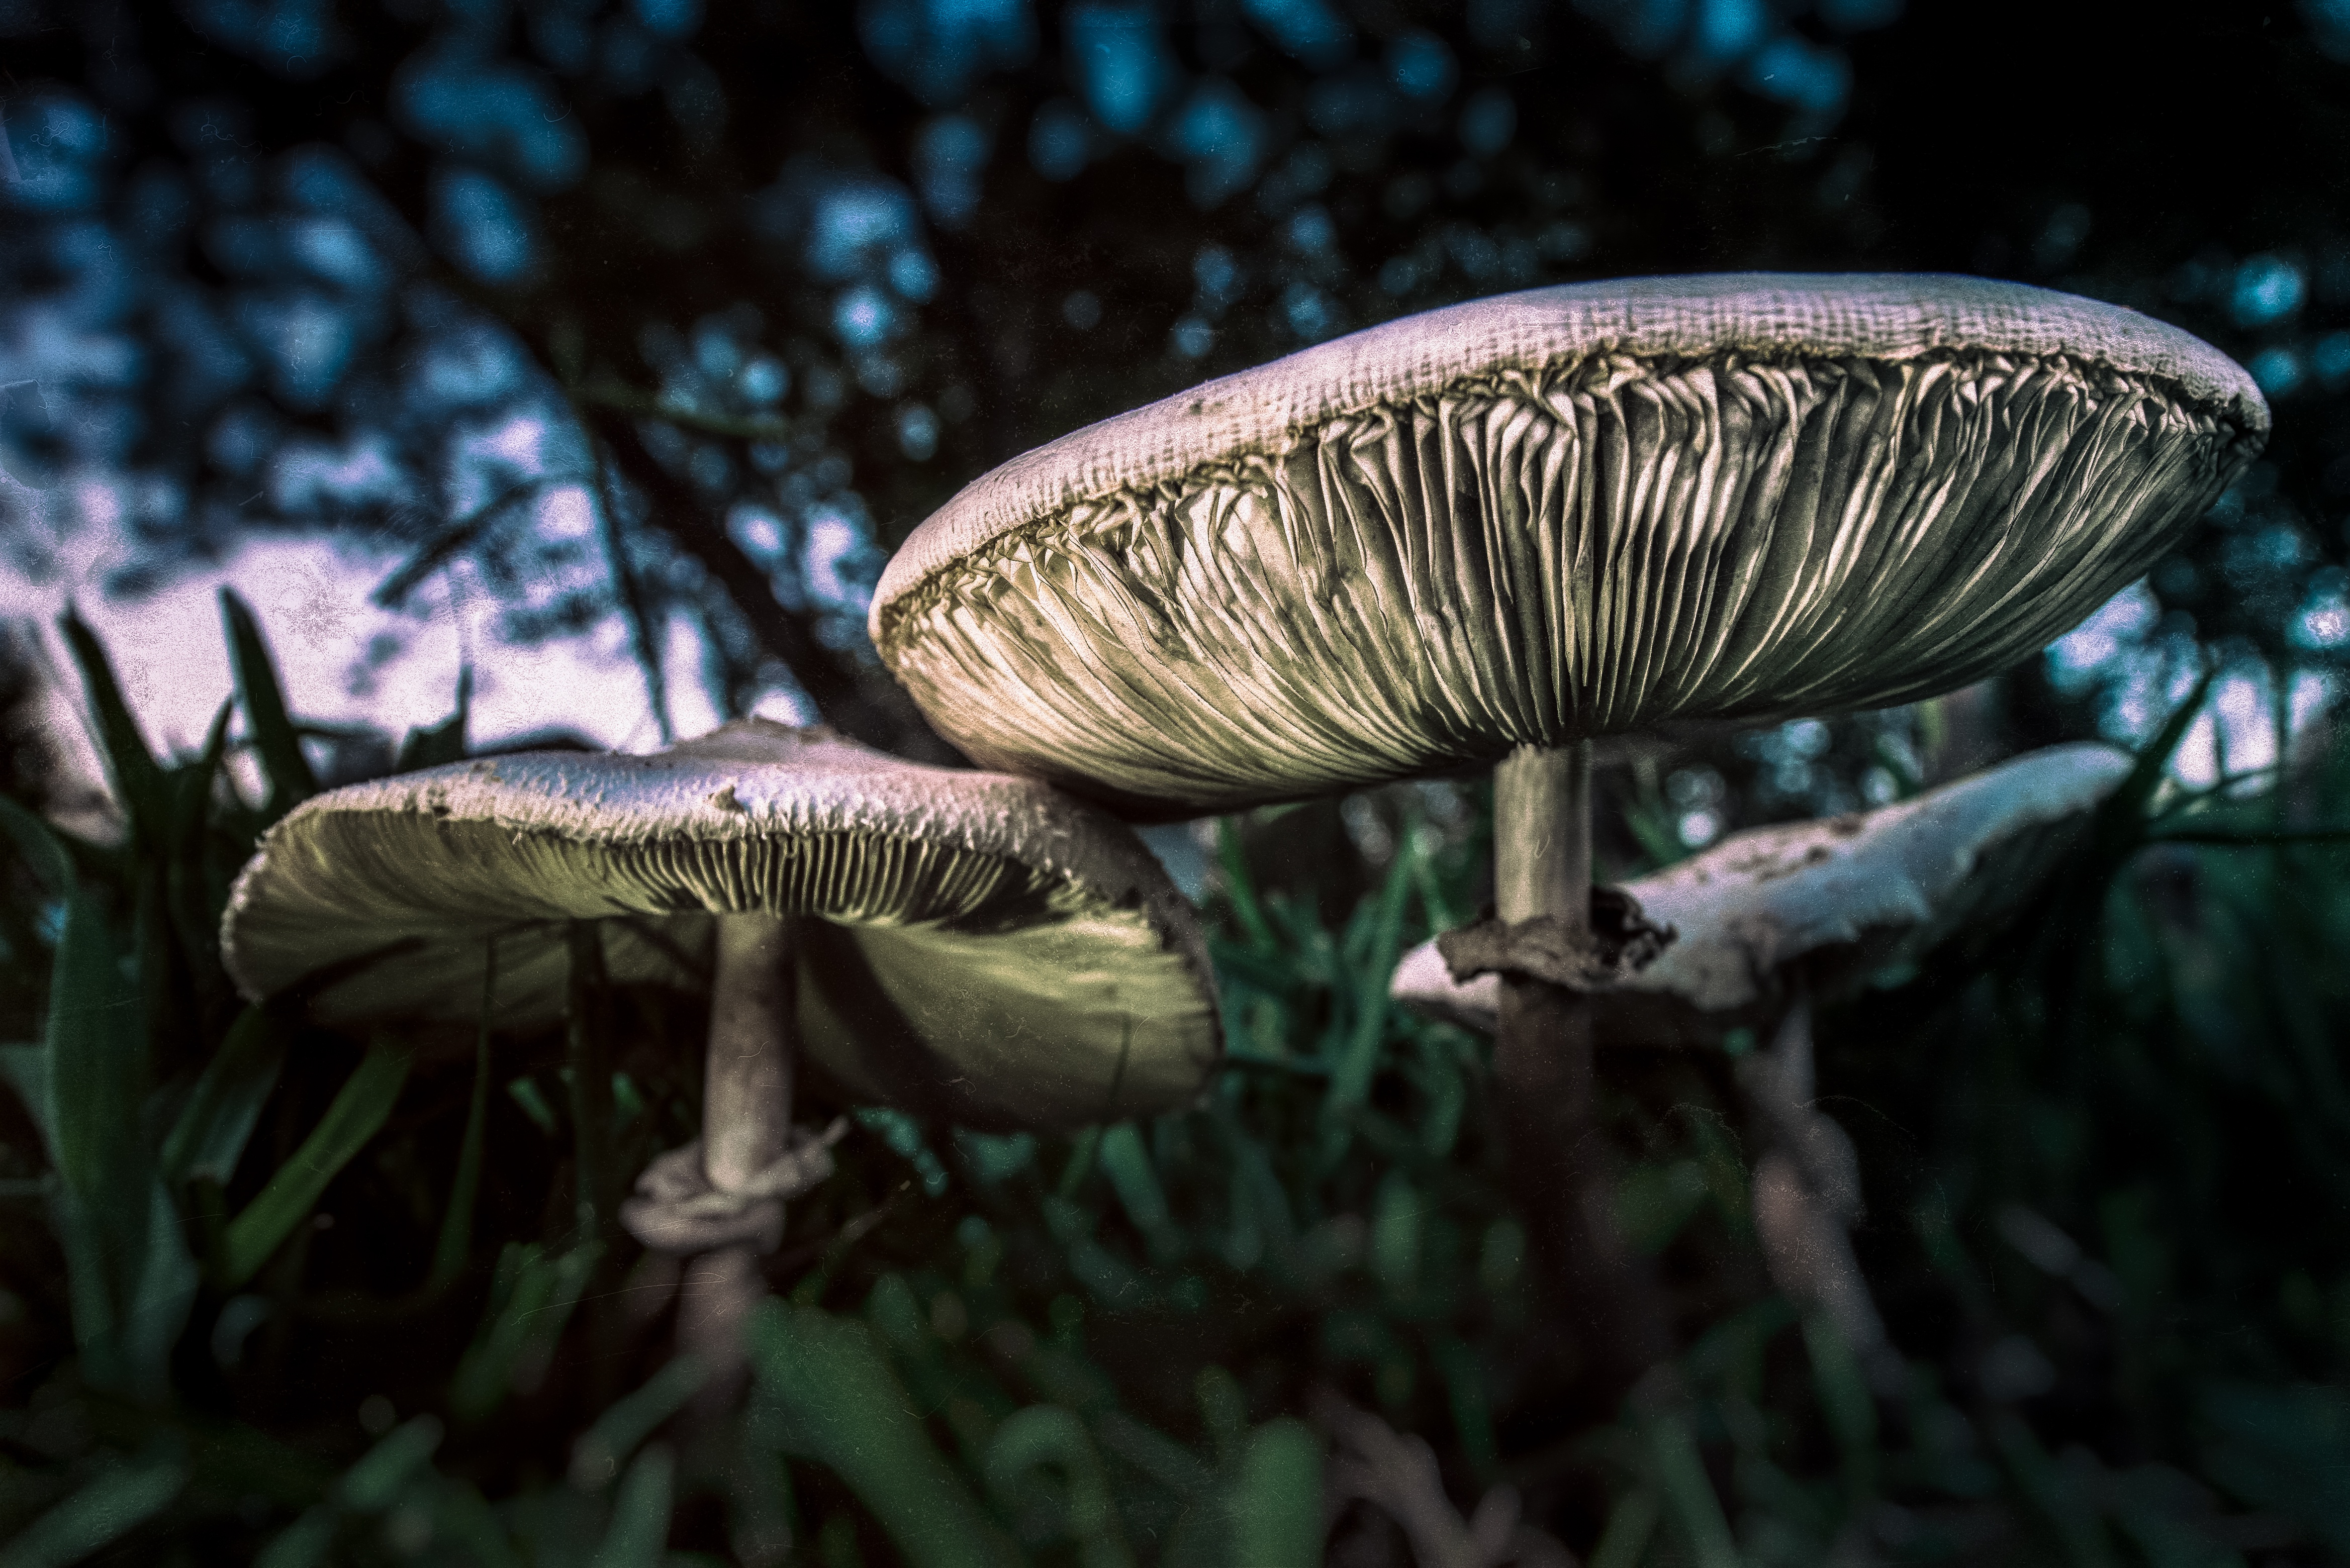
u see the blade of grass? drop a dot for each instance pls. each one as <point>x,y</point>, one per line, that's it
<point>38,843</point>
<point>2072,1518</point>
<point>131,1280</point>
<point>1277,1498</point>
<point>376,1481</point>
<point>531,1301</point>
<point>138,777</point>
<point>1128,1165</point>
<point>639,1528</point>
<point>195,915</point>
<point>357,1113</point>
<point>439,552</point>
<point>2121,821</point>
<point>858,1421</point>
<point>591,1080</point>
<point>444,743</point>
<point>630,1420</point>
<point>1238,886</point>
<point>455,1241</point>
<point>117,1500</point>
<point>210,1135</point>
<point>1623,1541</point>
<point>291,781</point>
<point>1350,1086</point>
<point>1688,1494</point>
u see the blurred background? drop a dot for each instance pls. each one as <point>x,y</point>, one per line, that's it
<point>574,366</point>
<point>607,349</point>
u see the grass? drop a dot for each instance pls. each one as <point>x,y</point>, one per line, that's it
<point>269,1294</point>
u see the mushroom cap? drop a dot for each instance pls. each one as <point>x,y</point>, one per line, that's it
<point>1542,516</point>
<point>980,948</point>
<point>1844,897</point>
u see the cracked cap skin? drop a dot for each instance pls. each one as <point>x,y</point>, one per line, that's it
<point>980,948</point>
<point>1544,517</point>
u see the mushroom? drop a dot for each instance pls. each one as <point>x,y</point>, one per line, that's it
<point>1484,535</point>
<point>1834,902</point>
<point>964,945</point>
<point>1773,919</point>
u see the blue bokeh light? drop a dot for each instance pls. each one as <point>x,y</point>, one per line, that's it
<point>1060,141</point>
<point>950,161</point>
<point>479,225</point>
<point>1489,119</point>
<point>1312,30</point>
<point>937,49</point>
<point>2266,288</point>
<point>1420,65</point>
<point>1118,54</point>
<point>1221,138</point>
<point>503,116</point>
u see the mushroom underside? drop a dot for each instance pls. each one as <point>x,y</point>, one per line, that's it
<point>1535,558</point>
<point>979,990</point>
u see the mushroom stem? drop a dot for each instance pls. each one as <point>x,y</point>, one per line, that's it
<point>1542,833</point>
<point>1542,1061</point>
<point>747,1093</point>
<point>746,1119</point>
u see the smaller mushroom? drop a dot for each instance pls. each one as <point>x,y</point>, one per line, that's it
<point>1837,899</point>
<point>1771,917</point>
<point>966,946</point>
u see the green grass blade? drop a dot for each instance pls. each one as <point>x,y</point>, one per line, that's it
<point>210,1136</point>
<point>588,1055</point>
<point>375,1482</point>
<point>1623,1541</point>
<point>137,776</point>
<point>1688,1496</point>
<point>444,743</point>
<point>1131,1176</point>
<point>357,1113</point>
<point>291,781</point>
<point>455,1241</point>
<point>2121,821</point>
<point>109,1507</point>
<point>26,1069</point>
<point>639,1528</point>
<point>531,1301</point>
<point>857,1420</point>
<point>596,1458</point>
<point>1277,1498</point>
<point>2045,1485</point>
<point>1350,1086</point>
<point>304,1543</point>
<point>131,1279</point>
<point>195,913</point>
<point>38,843</point>
<point>1240,887</point>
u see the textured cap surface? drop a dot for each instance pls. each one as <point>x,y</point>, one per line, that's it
<point>1550,515</point>
<point>1844,896</point>
<point>980,948</point>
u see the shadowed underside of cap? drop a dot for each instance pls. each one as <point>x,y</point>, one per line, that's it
<point>1537,518</point>
<point>1843,896</point>
<point>978,948</point>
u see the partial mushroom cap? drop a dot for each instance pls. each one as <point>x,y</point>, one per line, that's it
<point>1547,516</point>
<point>1844,896</point>
<point>979,948</point>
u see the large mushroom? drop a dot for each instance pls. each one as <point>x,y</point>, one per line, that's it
<point>1774,919</point>
<point>967,945</point>
<point>1482,535</point>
